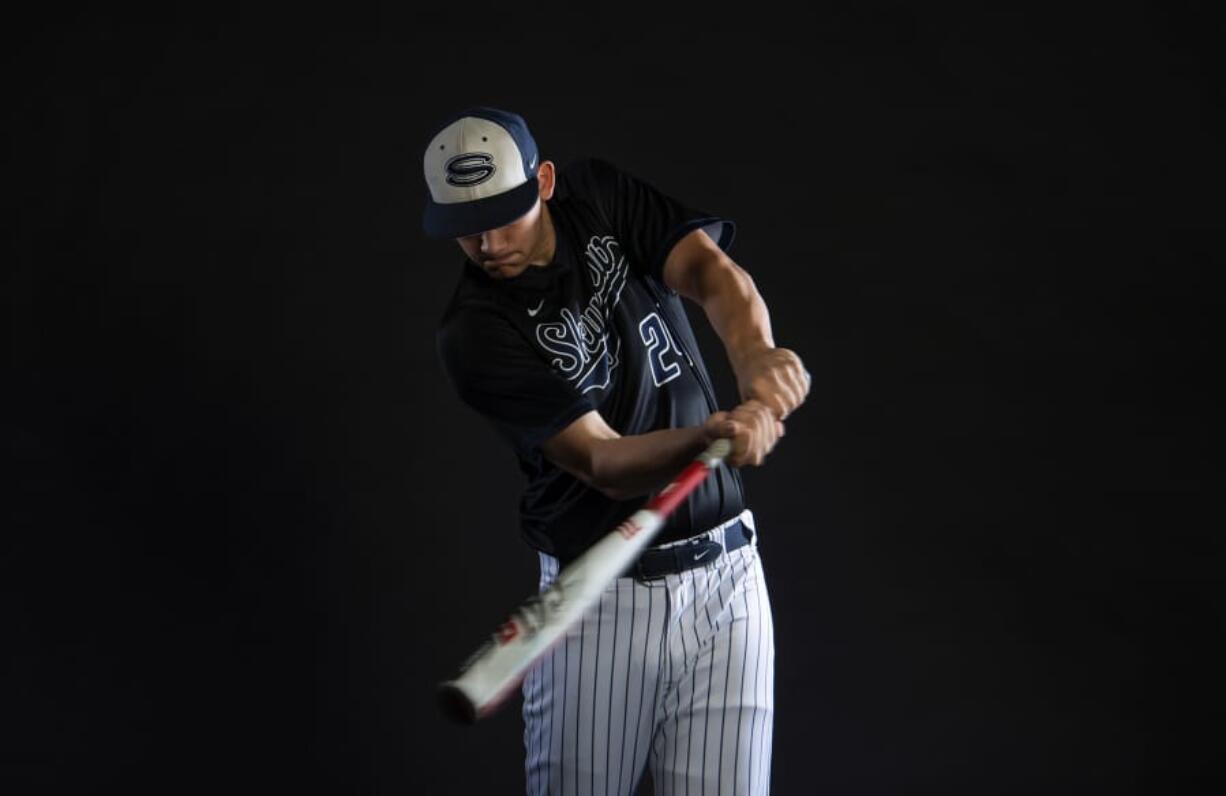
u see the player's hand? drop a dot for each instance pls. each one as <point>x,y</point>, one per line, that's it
<point>752,429</point>
<point>776,377</point>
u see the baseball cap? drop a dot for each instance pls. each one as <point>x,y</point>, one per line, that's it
<point>480,168</point>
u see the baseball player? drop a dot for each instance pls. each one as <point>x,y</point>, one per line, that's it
<point>567,333</point>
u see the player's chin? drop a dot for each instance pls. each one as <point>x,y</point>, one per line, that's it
<point>502,267</point>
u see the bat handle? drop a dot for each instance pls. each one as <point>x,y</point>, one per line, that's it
<point>716,452</point>
<point>680,487</point>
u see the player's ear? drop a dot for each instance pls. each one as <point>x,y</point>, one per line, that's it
<point>545,176</point>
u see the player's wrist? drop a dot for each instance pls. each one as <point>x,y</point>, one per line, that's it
<point>717,426</point>
<point>744,356</point>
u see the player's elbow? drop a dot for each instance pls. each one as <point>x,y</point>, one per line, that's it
<point>614,491</point>
<point>584,450</point>
<point>603,476</point>
<point>611,490</point>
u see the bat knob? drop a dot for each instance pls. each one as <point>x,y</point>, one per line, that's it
<point>455,704</point>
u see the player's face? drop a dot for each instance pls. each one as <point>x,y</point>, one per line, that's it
<point>506,251</point>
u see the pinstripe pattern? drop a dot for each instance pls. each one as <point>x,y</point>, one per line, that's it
<point>676,673</point>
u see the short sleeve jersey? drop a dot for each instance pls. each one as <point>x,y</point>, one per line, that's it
<point>595,329</point>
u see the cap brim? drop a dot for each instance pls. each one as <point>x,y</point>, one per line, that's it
<point>469,218</point>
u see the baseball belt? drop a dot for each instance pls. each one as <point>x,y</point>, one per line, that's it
<point>656,562</point>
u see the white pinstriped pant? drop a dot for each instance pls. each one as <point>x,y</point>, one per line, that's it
<point>677,672</point>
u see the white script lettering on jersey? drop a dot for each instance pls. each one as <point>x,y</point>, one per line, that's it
<point>580,345</point>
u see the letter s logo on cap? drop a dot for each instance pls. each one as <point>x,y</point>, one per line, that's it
<point>469,169</point>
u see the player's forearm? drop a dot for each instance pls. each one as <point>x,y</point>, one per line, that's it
<point>630,466</point>
<point>736,311</point>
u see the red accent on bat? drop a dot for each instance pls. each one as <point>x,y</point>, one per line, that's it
<point>507,631</point>
<point>494,702</point>
<point>674,493</point>
<point>629,529</point>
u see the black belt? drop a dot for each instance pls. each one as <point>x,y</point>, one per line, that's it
<point>656,562</point>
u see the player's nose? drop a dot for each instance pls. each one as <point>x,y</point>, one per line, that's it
<point>492,242</point>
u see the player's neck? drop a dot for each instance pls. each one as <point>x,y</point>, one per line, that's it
<point>550,240</point>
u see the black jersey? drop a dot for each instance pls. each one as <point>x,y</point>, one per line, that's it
<point>595,329</point>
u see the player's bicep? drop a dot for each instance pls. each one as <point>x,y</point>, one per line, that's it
<point>573,448</point>
<point>691,263</point>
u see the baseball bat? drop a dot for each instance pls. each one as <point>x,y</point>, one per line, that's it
<point>491,673</point>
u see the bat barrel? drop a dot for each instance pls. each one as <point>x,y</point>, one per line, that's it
<point>455,704</point>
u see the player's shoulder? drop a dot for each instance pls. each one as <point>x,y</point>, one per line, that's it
<point>469,317</point>
<point>472,305</point>
<point>586,187</point>
<point>585,176</point>
<point>475,336</point>
<point>580,167</point>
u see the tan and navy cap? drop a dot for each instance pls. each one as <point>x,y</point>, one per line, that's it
<point>481,171</point>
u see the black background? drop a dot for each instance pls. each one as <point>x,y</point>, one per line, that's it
<point>252,526</point>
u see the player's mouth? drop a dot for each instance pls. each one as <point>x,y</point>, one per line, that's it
<point>503,260</point>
